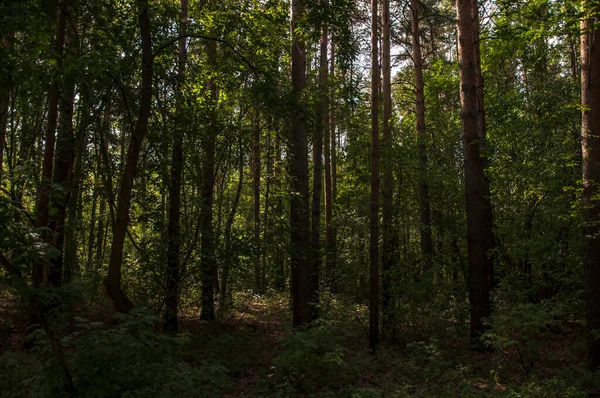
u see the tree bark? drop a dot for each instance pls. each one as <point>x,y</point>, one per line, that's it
<point>329,228</point>
<point>478,256</point>
<point>322,127</point>
<point>425,212</point>
<point>488,217</point>
<point>174,238</point>
<point>298,164</point>
<point>43,202</point>
<point>590,103</point>
<point>112,282</point>
<point>5,88</point>
<point>256,167</point>
<point>389,231</point>
<point>207,239</point>
<point>374,204</point>
<point>63,163</point>
<point>229,225</point>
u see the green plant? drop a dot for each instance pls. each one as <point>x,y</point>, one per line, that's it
<point>310,357</point>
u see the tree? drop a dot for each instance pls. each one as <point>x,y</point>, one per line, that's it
<point>479,258</point>
<point>112,282</point>
<point>590,130</point>
<point>320,132</point>
<point>174,240</point>
<point>389,233</point>
<point>298,165</point>
<point>374,204</point>
<point>425,213</point>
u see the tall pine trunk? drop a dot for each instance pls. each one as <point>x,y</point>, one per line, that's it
<point>374,204</point>
<point>590,104</point>
<point>389,230</point>
<point>478,256</point>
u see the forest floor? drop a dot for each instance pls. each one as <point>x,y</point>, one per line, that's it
<point>259,355</point>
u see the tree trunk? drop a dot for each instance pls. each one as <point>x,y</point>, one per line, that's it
<point>322,127</point>
<point>329,237</point>
<point>332,235</point>
<point>256,166</point>
<point>228,225</point>
<point>63,164</point>
<point>478,271</point>
<point>374,205</point>
<point>425,213</point>
<point>488,217</point>
<point>112,282</point>
<point>590,103</point>
<point>174,238</point>
<point>43,202</point>
<point>207,240</point>
<point>5,87</point>
<point>389,231</point>
<point>298,161</point>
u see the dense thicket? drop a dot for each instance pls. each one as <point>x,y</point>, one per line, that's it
<point>164,158</point>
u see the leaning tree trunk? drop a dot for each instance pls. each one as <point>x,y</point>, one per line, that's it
<point>374,205</point>
<point>478,268</point>
<point>112,282</point>
<point>590,104</point>
<point>298,163</point>
<point>174,238</point>
<point>425,213</point>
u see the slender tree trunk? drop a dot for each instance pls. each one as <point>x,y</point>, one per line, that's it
<point>389,231</point>
<point>488,218</point>
<point>425,213</point>
<point>174,238</point>
<point>112,282</point>
<point>267,227</point>
<point>256,167</point>
<point>92,229</point>
<point>332,235</point>
<point>329,238</point>
<point>71,264</point>
<point>298,154</point>
<point>207,240</point>
<point>478,277</point>
<point>5,87</point>
<point>590,103</point>
<point>322,127</point>
<point>229,225</point>
<point>374,205</point>
<point>63,163</point>
<point>43,202</point>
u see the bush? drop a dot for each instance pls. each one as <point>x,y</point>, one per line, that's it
<point>309,359</point>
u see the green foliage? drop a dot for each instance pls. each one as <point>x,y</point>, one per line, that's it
<point>520,328</point>
<point>309,360</point>
<point>132,359</point>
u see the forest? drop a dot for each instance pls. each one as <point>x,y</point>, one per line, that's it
<point>313,198</point>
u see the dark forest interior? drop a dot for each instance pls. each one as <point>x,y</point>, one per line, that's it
<point>317,198</point>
